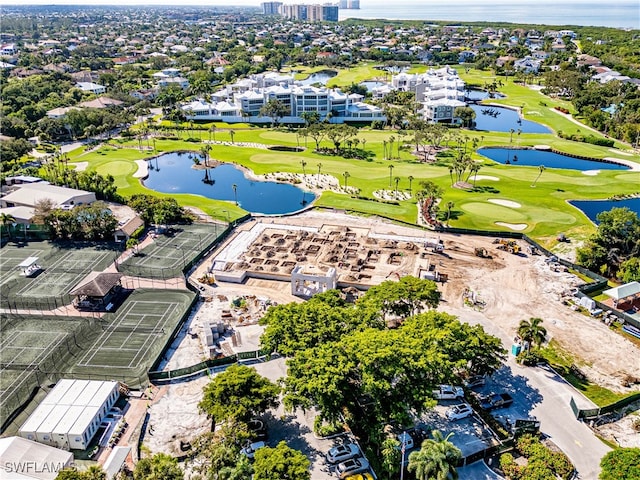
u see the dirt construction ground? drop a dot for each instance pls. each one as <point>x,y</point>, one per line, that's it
<point>506,288</point>
<point>512,288</point>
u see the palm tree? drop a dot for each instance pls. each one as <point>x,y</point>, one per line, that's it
<point>437,459</point>
<point>346,175</point>
<point>212,130</point>
<point>235,192</point>
<point>384,149</point>
<point>532,331</point>
<point>7,219</point>
<point>232,133</point>
<point>541,169</point>
<point>396,180</point>
<point>319,168</point>
<point>390,174</point>
<point>450,206</point>
<point>410,178</point>
<point>205,154</point>
<point>304,164</point>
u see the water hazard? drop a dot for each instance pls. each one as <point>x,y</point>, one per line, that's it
<point>592,208</point>
<point>535,158</point>
<point>173,173</point>
<point>500,119</point>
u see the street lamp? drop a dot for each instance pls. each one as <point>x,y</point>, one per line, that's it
<point>227,212</point>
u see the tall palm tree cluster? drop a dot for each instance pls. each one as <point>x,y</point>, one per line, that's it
<point>436,460</point>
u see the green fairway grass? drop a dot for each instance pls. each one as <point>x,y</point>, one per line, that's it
<point>544,207</point>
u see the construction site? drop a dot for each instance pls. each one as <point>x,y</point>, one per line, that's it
<point>330,256</point>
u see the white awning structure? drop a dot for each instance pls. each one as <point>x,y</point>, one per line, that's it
<point>27,262</point>
<point>623,291</point>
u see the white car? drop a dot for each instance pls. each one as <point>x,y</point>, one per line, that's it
<point>460,411</point>
<point>250,450</point>
<point>448,392</point>
<point>343,452</point>
<point>351,466</point>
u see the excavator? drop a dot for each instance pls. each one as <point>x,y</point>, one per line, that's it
<point>510,246</point>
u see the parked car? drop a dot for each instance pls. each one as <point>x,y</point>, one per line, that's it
<point>495,400</point>
<point>475,381</point>
<point>351,466</point>
<point>250,450</point>
<point>458,412</point>
<point>343,452</point>
<point>448,392</point>
<point>405,440</point>
<point>360,476</point>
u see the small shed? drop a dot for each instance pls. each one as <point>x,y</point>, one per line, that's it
<point>627,292</point>
<point>97,290</point>
<point>29,267</point>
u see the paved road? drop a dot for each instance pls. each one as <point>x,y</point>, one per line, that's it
<point>548,398</point>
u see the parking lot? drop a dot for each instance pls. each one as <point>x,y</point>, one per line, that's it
<point>470,434</point>
<point>296,428</point>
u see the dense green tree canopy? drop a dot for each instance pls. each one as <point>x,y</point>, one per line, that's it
<point>280,463</point>
<point>406,297</point>
<point>294,327</point>
<point>159,467</point>
<point>616,242</point>
<point>621,463</point>
<point>395,369</point>
<point>238,394</point>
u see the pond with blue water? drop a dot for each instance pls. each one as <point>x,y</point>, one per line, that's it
<point>175,174</point>
<point>500,119</point>
<point>371,84</point>
<point>592,208</point>
<point>535,158</point>
<point>321,77</point>
<point>472,95</point>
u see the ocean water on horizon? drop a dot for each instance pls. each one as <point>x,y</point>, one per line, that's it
<point>618,14</point>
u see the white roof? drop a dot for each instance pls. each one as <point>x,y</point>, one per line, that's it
<point>44,460</point>
<point>54,396</point>
<point>19,212</point>
<point>30,193</point>
<point>27,262</point>
<point>623,291</point>
<point>83,419</point>
<point>70,406</point>
<point>116,459</point>
<point>36,418</point>
<point>88,393</point>
<point>56,414</point>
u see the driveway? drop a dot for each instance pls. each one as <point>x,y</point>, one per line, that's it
<point>541,393</point>
<point>477,471</point>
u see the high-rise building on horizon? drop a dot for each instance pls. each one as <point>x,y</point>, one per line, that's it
<point>349,4</point>
<point>314,13</point>
<point>271,8</point>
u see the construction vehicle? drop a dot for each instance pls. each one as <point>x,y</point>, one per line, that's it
<point>481,252</point>
<point>436,245</point>
<point>510,246</point>
<point>532,250</point>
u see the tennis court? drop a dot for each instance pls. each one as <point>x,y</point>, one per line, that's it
<point>133,337</point>
<point>63,267</point>
<point>171,252</point>
<point>33,350</point>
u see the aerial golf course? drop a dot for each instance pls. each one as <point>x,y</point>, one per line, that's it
<point>523,198</point>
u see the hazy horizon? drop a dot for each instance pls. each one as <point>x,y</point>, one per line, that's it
<point>256,3</point>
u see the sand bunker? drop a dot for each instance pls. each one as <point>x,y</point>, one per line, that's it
<point>80,166</point>
<point>485,177</point>
<point>505,203</point>
<point>143,169</point>
<point>591,173</point>
<point>513,226</point>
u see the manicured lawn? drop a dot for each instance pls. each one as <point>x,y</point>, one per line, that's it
<point>357,74</point>
<point>543,207</point>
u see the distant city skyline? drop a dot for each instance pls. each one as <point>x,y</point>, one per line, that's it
<point>256,3</point>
